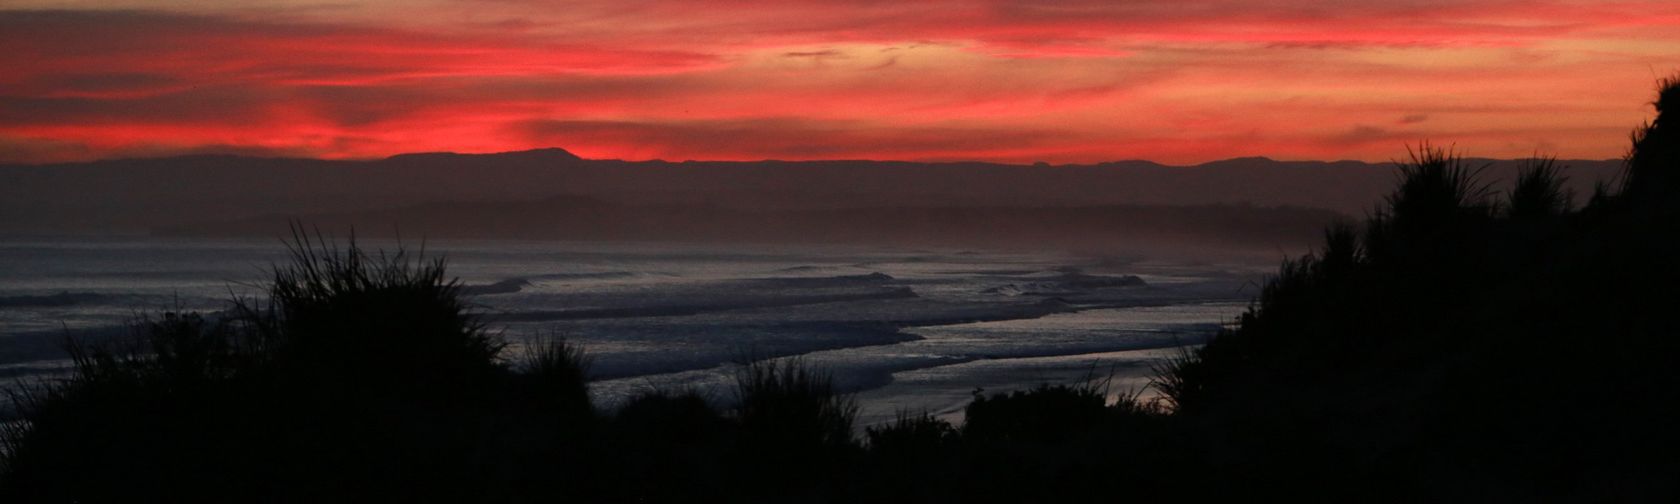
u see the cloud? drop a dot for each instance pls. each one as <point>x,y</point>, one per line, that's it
<point>828,53</point>
<point>1366,134</point>
<point>789,138</point>
<point>1073,81</point>
<point>1413,118</point>
<point>207,49</point>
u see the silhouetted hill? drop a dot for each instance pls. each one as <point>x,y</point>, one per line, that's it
<point>1461,345</point>
<point>134,195</point>
<point>546,155</point>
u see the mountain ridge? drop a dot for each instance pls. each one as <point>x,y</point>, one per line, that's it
<point>562,154</point>
<point>141,195</point>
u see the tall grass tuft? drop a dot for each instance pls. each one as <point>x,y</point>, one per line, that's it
<point>788,402</point>
<point>1653,162</point>
<point>1438,184</point>
<point>1179,379</point>
<point>1539,191</point>
<point>555,377</point>
<point>378,319</point>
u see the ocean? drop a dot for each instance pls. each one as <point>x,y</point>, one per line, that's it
<point>917,330</point>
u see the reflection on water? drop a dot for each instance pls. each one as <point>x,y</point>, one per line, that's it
<point>916,329</point>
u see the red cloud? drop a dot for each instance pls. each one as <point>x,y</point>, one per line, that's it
<point>1081,80</point>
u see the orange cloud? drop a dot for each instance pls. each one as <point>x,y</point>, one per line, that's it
<point>1076,81</point>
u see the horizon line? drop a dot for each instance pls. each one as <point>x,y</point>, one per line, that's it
<point>568,153</point>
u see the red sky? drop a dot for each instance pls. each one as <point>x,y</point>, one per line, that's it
<point>1068,81</point>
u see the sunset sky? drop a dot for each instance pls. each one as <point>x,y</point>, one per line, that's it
<point>1069,81</point>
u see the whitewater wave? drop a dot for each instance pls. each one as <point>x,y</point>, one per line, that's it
<point>1066,282</point>
<point>508,286</point>
<point>703,307</point>
<point>520,283</point>
<point>988,353</point>
<point>817,282</point>
<point>805,269</point>
<point>599,275</point>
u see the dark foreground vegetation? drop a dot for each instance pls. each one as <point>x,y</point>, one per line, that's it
<point>1458,345</point>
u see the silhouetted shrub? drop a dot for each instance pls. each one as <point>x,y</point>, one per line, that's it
<point>1539,191</point>
<point>358,368</point>
<point>675,417</point>
<point>1436,186</point>
<point>786,401</point>
<point>149,398</point>
<point>673,447</point>
<point>1438,342</point>
<point>554,377</point>
<point>795,430</point>
<point>911,436</point>
<point>386,321</point>
<point>1047,413</point>
<point>1653,162</point>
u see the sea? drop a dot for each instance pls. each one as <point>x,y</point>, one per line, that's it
<point>904,330</point>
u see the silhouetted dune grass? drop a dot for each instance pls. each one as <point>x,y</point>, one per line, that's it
<point>787,402</point>
<point>1539,192</point>
<point>375,320</point>
<point>1453,346</point>
<point>554,376</point>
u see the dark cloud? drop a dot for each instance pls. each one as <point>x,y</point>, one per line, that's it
<point>829,53</point>
<point>218,106</point>
<point>102,84</point>
<point>1366,134</point>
